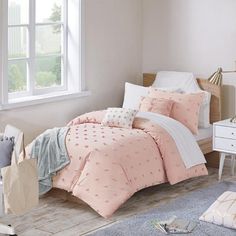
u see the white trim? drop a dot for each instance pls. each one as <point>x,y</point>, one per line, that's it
<point>82,38</point>
<point>74,68</point>
<point>41,91</point>
<point>31,48</point>
<point>40,99</point>
<point>18,25</point>
<point>4,51</point>
<point>40,56</point>
<point>1,47</point>
<point>18,59</point>
<point>14,95</point>
<point>50,23</point>
<point>64,52</point>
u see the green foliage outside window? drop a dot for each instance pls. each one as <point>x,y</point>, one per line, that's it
<point>48,69</point>
<point>16,78</point>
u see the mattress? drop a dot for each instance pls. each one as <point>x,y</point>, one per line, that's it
<point>204,133</point>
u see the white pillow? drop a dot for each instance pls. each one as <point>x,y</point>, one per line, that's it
<point>183,80</point>
<point>119,117</point>
<point>204,114</point>
<point>133,94</point>
<point>222,211</point>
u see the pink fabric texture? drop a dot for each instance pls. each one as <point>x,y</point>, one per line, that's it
<point>156,105</point>
<point>186,106</point>
<point>108,165</point>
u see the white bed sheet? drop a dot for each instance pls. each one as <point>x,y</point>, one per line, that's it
<point>182,136</point>
<point>204,133</point>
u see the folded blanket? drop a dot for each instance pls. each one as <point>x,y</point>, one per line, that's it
<point>184,140</point>
<point>50,150</point>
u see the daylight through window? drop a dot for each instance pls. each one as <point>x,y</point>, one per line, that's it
<point>36,47</point>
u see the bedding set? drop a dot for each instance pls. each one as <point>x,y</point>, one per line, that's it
<point>117,152</point>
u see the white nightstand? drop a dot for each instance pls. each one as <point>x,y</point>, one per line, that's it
<point>224,141</point>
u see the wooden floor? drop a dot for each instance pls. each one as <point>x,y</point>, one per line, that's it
<point>55,216</point>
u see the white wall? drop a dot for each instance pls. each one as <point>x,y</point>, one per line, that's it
<point>187,35</point>
<point>192,35</point>
<point>113,56</point>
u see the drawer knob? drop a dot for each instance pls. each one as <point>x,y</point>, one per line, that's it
<point>232,145</point>
<point>232,133</point>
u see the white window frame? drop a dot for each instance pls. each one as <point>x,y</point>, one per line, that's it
<point>74,55</point>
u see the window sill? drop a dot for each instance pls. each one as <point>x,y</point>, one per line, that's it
<point>40,99</point>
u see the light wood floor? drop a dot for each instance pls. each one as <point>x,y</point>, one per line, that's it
<point>55,216</point>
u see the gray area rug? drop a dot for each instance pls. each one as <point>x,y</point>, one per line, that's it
<point>190,206</point>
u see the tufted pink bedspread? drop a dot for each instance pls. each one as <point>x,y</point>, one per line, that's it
<point>108,165</point>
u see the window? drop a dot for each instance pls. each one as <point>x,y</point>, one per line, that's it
<point>35,53</point>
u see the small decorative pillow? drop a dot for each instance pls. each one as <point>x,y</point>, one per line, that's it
<point>6,149</point>
<point>222,211</point>
<point>119,117</point>
<point>185,109</point>
<point>156,105</point>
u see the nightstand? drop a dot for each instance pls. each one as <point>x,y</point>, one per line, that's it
<point>224,141</point>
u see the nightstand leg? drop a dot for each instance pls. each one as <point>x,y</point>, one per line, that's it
<point>222,160</point>
<point>232,164</point>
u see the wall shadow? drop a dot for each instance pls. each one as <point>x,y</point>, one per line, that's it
<point>228,101</point>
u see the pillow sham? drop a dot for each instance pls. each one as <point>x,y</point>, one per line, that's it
<point>185,109</point>
<point>222,211</point>
<point>133,94</point>
<point>6,149</point>
<point>119,117</point>
<point>188,84</point>
<point>204,114</point>
<point>156,105</point>
<point>186,81</point>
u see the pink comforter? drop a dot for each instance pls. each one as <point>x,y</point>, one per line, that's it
<point>108,165</point>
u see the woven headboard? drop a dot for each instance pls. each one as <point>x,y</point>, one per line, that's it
<point>215,90</point>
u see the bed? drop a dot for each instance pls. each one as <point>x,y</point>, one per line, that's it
<point>205,137</point>
<point>109,164</point>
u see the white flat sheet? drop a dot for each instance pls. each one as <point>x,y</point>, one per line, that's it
<point>184,139</point>
<point>204,133</point>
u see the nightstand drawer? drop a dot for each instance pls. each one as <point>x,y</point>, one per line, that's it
<point>225,144</point>
<point>225,132</point>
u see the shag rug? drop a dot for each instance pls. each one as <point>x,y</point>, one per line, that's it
<point>190,206</point>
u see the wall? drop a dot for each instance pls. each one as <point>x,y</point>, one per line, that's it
<point>192,35</point>
<point>187,35</point>
<point>113,56</point>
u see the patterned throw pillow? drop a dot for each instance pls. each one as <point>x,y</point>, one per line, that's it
<point>185,109</point>
<point>156,105</point>
<point>222,211</point>
<point>119,117</point>
<point>6,149</point>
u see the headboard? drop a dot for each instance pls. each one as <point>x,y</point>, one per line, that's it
<point>215,90</point>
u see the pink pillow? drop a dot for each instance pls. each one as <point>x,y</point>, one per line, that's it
<point>156,105</point>
<point>186,106</point>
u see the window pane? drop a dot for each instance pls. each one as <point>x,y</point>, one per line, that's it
<point>18,12</point>
<point>48,72</point>
<point>48,40</point>
<point>48,11</point>
<point>17,76</point>
<point>17,42</point>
